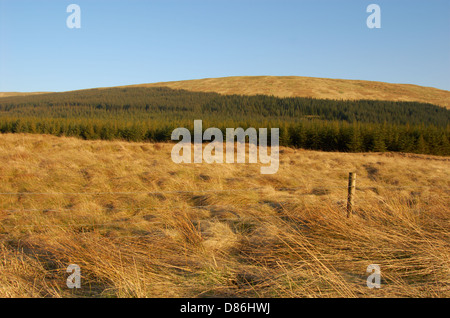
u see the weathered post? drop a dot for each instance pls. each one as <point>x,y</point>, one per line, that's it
<point>351,192</point>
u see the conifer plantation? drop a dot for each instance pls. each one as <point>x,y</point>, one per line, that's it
<point>151,114</point>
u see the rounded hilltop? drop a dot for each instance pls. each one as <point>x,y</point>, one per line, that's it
<point>297,86</point>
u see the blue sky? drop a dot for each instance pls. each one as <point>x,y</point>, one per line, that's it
<point>143,41</point>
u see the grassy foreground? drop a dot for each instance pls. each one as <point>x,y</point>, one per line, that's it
<point>139,225</point>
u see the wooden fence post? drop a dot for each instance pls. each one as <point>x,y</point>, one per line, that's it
<point>351,192</point>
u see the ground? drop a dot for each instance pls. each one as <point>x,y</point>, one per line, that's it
<point>139,225</point>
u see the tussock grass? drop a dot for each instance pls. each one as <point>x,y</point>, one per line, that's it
<point>114,209</point>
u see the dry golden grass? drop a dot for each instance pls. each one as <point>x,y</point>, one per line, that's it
<point>290,86</point>
<point>113,209</point>
<point>10,94</point>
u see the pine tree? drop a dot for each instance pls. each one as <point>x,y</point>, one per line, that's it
<point>355,143</point>
<point>421,145</point>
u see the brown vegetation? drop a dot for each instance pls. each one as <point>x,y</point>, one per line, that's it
<point>10,94</point>
<point>296,86</point>
<point>116,210</point>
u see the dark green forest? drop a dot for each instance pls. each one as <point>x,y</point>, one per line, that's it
<point>151,114</point>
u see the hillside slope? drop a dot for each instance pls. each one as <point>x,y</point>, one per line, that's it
<point>295,86</point>
<point>13,94</point>
<point>152,113</point>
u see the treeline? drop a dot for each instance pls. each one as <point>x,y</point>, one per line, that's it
<point>144,103</point>
<point>151,114</point>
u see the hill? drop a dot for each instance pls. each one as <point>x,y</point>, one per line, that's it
<point>295,86</point>
<point>298,86</point>
<point>12,94</point>
<point>152,113</point>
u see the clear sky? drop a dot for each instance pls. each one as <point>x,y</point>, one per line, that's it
<point>143,41</point>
